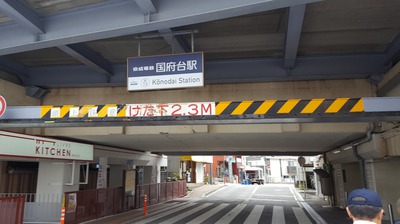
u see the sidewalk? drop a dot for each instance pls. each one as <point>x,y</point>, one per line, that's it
<point>332,215</point>
<point>198,191</point>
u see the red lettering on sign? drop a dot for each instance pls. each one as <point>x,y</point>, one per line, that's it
<point>52,151</point>
<point>176,108</point>
<point>162,109</point>
<point>149,110</point>
<point>194,108</point>
<point>134,111</point>
<point>206,110</point>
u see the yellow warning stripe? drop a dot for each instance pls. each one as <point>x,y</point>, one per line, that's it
<point>359,107</point>
<point>122,113</point>
<point>221,107</point>
<point>336,105</point>
<point>242,107</point>
<point>265,106</point>
<point>312,106</point>
<point>65,109</point>
<point>288,106</point>
<point>44,110</point>
<point>104,111</point>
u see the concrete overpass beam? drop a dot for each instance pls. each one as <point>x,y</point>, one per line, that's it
<point>389,86</point>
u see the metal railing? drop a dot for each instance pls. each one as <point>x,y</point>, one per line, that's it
<point>12,209</point>
<point>39,208</point>
<point>82,206</point>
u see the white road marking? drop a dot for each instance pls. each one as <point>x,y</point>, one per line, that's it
<point>255,215</point>
<point>170,211</point>
<point>186,214</point>
<point>231,214</point>
<point>208,214</point>
<point>274,196</point>
<point>250,196</point>
<point>278,216</point>
<point>301,216</point>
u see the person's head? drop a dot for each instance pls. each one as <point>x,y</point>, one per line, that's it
<point>364,204</point>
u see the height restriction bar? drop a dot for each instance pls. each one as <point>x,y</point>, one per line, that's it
<point>271,111</point>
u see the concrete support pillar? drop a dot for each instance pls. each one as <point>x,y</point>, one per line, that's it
<point>340,194</point>
<point>102,173</point>
<point>199,172</point>
<point>56,178</point>
<point>370,174</point>
<point>230,171</point>
<point>174,165</point>
<point>154,174</point>
<point>158,174</point>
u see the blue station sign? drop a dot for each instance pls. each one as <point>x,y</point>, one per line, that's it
<point>165,72</point>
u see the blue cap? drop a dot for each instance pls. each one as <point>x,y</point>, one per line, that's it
<point>364,197</point>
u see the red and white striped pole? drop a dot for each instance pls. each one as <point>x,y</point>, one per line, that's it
<point>62,221</point>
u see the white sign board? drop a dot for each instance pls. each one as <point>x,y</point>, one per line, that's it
<point>165,72</point>
<point>170,109</point>
<point>292,170</point>
<point>20,145</point>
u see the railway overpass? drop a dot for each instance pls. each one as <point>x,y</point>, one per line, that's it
<point>280,78</point>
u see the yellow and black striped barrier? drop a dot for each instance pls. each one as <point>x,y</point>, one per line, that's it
<point>270,108</point>
<point>290,107</point>
<point>267,111</point>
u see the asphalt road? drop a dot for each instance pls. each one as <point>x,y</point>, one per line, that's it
<point>276,204</point>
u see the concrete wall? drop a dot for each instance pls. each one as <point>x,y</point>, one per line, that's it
<point>15,95</point>
<point>220,92</point>
<point>387,176</point>
<point>353,176</point>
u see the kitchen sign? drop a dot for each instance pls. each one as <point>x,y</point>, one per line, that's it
<point>20,145</point>
<point>165,72</point>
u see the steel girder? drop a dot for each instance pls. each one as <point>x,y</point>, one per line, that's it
<point>228,71</point>
<point>124,17</point>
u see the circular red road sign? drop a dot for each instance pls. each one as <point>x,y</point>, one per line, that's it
<point>3,105</point>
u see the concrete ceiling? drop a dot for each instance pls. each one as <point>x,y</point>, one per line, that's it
<point>51,44</point>
<point>228,143</point>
